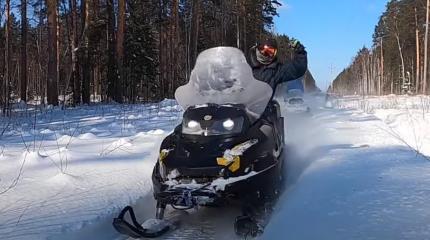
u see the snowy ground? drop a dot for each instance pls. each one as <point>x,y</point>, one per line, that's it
<point>359,170</point>
<point>81,167</point>
<point>358,175</point>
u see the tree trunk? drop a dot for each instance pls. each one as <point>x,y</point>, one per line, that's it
<point>188,45</point>
<point>161,48</point>
<point>61,90</point>
<point>42,78</point>
<point>381,79</point>
<point>111,74</point>
<point>237,26</point>
<point>52,92</point>
<point>86,69</point>
<point>24,50</point>
<point>168,46</point>
<point>120,49</point>
<point>75,81</point>
<point>2,68</point>
<point>175,45</point>
<point>6,93</point>
<point>244,38</point>
<point>417,46</point>
<point>426,49</point>
<point>363,76</point>
<point>401,55</point>
<point>195,22</point>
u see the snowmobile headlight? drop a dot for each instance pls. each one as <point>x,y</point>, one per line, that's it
<point>228,124</point>
<point>213,127</point>
<point>192,124</point>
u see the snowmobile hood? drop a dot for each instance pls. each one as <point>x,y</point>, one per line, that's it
<point>222,76</point>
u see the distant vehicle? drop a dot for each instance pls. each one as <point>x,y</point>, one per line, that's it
<point>294,102</point>
<point>329,99</point>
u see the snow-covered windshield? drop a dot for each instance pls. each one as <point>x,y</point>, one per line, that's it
<point>222,76</point>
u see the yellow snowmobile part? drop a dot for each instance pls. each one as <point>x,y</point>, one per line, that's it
<point>163,155</point>
<point>234,165</point>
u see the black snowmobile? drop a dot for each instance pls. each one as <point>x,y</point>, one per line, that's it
<point>229,145</point>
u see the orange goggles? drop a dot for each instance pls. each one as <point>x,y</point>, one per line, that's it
<point>267,51</point>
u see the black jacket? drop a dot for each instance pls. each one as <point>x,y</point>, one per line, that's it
<point>276,72</point>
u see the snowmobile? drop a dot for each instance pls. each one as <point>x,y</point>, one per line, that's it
<point>228,146</point>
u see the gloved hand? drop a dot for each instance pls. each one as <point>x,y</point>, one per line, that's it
<point>297,46</point>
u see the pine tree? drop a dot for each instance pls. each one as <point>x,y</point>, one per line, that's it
<point>141,55</point>
<point>79,48</point>
<point>394,64</point>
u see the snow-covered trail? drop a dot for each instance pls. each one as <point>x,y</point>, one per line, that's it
<point>351,178</point>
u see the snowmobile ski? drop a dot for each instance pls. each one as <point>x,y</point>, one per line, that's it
<point>151,228</point>
<point>246,226</point>
<point>254,219</point>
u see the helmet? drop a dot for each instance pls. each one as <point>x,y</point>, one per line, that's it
<point>266,50</point>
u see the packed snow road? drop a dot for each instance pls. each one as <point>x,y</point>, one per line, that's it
<point>351,174</point>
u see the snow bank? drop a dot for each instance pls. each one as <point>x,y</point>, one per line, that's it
<point>31,158</point>
<point>47,131</point>
<point>64,179</point>
<point>410,127</point>
<point>87,136</point>
<point>156,132</point>
<point>64,139</point>
<point>82,176</point>
<point>407,118</point>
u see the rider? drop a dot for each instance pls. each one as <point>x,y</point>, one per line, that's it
<point>266,67</point>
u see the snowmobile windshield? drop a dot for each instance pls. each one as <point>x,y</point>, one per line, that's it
<point>222,76</point>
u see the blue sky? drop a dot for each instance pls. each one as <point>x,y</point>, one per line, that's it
<point>332,31</point>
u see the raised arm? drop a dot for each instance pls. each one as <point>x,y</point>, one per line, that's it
<point>295,68</point>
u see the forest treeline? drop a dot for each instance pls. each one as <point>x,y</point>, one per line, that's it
<point>397,62</point>
<point>116,50</point>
